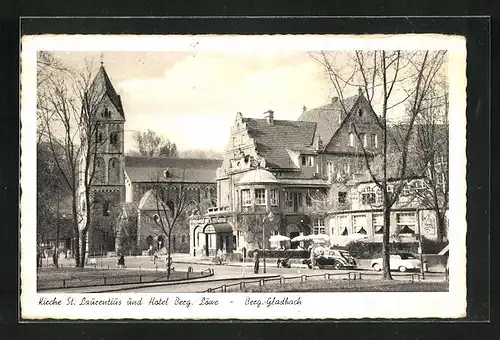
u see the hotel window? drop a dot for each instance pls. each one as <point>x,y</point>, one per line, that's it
<point>308,200</point>
<point>378,194</point>
<point>375,141</point>
<point>406,223</point>
<point>245,197</point>
<point>260,196</point>
<point>351,139</point>
<point>319,226</point>
<point>307,160</point>
<point>299,199</point>
<point>368,196</point>
<point>378,223</point>
<point>359,224</point>
<point>342,196</point>
<point>365,140</point>
<point>346,168</point>
<point>288,198</point>
<point>273,197</point>
<point>343,226</point>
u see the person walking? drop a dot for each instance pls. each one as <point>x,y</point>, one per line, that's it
<point>256,262</point>
<point>312,257</point>
<point>121,261</point>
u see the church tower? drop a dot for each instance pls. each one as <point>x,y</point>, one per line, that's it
<point>108,185</point>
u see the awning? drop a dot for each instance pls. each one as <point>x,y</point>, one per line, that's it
<point>218,228</point>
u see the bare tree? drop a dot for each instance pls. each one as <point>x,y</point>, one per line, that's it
<point>201,154</point>
<point>378,74</point>
<point>151,144</point>
<point>171,207</point>
<point>431,157</point>
<point>69,103</point>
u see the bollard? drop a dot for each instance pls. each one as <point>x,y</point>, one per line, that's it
<point>187,274</point>
<point>140,279</point>
<point>64,283</point>
<point>108,266</point>
<point>105,280</point>
<point>156,268</point>
<point>224,288</point>
<point>360,276</point>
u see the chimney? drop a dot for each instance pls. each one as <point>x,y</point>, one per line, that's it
<point>269,116</point>
<point>360,91</point>
<point>335,99</point>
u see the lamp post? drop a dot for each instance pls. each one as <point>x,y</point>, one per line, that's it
<point>420,250</point>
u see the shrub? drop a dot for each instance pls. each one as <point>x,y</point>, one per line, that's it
<point>289,253</point>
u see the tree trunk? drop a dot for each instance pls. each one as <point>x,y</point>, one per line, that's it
<point>76,247</point>
<point>440,225</point>
<point>169,259</point>
<point>83,248</point>
<point>385,243</point>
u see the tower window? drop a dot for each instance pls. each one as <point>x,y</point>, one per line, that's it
<point>113,138</point>
<point>105,209</point>
<point>360,112</point>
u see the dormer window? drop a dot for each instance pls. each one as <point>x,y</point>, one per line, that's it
<point>307,160</point>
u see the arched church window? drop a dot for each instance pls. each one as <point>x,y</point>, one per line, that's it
<point>114,171</point>
<point>99,137</point>
<point>113,138</point>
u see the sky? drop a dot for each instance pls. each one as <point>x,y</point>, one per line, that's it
<point>192,98</point>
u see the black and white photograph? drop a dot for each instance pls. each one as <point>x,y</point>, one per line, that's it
<point>212,177</point>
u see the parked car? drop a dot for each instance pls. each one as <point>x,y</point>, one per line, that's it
<point>401,262</point>
<point>338,259</point>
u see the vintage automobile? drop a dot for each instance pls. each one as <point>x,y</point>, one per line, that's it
<point>338,259</point>
<point>401,262</point>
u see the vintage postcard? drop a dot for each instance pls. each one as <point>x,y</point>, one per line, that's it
<point>243,177</point>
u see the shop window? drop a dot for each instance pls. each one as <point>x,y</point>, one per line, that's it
<point>406,223</point>
<point>359,224</point>
<point>260,196</point>
<point>378,223</point>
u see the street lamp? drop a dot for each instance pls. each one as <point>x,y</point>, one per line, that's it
<point>268,218</point>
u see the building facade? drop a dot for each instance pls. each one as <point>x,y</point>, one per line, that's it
<point>285,169</point>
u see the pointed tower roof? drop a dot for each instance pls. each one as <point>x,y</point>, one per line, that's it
<point>103,78</point>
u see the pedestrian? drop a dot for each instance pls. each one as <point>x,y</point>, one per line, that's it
<point>121,261</point>
<point>218,256</point>
<point>312,257</point>
<point>256,262</point>
<point>150,252</point>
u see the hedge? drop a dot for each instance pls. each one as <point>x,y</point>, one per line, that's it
<point>369,250</point>
<point>289,253</point>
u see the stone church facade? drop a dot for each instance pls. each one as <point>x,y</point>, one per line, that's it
<point>122,186</point>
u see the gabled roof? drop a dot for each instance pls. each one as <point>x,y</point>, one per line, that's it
<point>272,140</point>
<point>329,117</point>
<point>152,169</point>
<point>103,78</point>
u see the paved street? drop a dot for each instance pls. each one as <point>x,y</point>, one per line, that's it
<point>225,274</point>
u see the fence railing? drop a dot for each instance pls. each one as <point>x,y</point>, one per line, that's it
<point>241,286</point>
<point>149,276</point>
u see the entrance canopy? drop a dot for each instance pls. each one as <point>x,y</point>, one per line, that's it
<point>217,228</point>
